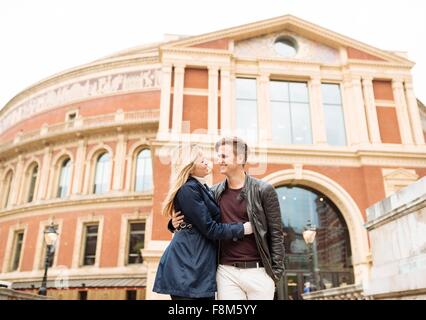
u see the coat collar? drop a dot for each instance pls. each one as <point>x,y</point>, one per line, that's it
<point>205,190</point>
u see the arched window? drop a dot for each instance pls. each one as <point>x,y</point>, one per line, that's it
<point>102,174</point>
<point>64,179</point>
<point>33,181</point>
<point>8,186</point>
<point>143,171</point>
<point>330,255</point>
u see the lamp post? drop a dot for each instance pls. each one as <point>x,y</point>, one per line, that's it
<point>50,237</point>
<point>309,236</point>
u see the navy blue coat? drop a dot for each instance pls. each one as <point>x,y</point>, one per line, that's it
<point>188,265</point>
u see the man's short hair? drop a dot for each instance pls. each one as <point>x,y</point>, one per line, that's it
<point>239,146</point>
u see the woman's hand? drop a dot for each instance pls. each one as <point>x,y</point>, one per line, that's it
<point>177,219</point>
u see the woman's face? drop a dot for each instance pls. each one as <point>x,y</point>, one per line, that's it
<point>202,166</point>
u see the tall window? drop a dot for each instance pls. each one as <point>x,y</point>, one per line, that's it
<point>17,250</point>
<point>102,174</point>
<point>64,179</point>
<point>143,171</point>
<point>90,243</point>
<point>333,112</point>
<point>8,185</point>
<point>291,120</point>
<point>136,242</point>
<point>33,181</point>
<point>246,108</point>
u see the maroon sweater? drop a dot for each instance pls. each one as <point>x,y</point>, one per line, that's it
<point>234,210</point>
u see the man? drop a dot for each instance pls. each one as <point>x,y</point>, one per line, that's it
<point>249,268</point>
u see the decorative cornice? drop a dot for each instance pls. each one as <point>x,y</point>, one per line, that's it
<point>125,199</point>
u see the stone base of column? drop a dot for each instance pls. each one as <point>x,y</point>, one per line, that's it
<point>151,256</point>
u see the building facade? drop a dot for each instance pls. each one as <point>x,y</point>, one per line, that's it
<point>331,122</point>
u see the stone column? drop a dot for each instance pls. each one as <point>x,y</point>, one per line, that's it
<point>46,170</point>
<point>17,182</point>
<point>370,107</point>
<point>402,112</point>
<point>225,101</point>
<point>264,109</point>
<point>319,134</point>
<point>166,80</point>
<point>178,99</point>
<point>77,184</point>
<point>414,115</point>
<point>213,100</point>
<point>358,113</point>
<point>120,155</point>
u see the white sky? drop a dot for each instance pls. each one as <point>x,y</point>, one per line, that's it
<point>43,37</point>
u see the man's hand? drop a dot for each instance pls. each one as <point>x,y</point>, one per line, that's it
<point>177,219</point>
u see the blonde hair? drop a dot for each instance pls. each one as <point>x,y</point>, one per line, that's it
<point>185,163</point>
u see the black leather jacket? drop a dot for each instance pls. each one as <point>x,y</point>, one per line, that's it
<point>264,213</point>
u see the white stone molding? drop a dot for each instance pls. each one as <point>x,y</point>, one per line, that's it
<point>264,109</point>
<point>91,160</point>
<point>79,240</point>
<point>80,89</point>
<point>119,165</point>
<point>25,185</point>
<point>370,108</point>
<point>132,163</point>
<point>45,174</point>
<point>396,179</point>
<point>179,72</point>
<point>166,81</point>
<point>123,247</point>
<point>56,166</point>
<point>318,125</point>
<point>6,182</point>
<point>10,247</point>
<point>79,167</point>
<point>14,196</point>
<point>413,112</point>
<point>359,111</point>
<point>225,99</point>
<point>213,85</point>
<point>402,112</point>
<point>344,202</point>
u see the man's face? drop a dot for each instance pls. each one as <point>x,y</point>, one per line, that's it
<point>228,162</point>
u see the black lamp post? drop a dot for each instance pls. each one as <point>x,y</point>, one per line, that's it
<point>50,237</point>
<point>309,236</point>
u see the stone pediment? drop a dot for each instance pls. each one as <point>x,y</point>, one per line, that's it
<point>313,40</point>
<point>307,50</point>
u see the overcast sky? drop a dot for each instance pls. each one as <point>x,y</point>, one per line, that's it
<point>43,37</point>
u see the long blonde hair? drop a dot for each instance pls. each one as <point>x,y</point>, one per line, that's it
<point>185,164</point>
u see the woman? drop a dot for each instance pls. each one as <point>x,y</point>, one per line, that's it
<point>187,269</point>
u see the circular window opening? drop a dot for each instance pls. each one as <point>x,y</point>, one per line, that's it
<point>286,47</point>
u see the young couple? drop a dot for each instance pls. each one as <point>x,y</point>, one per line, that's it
<point>241,211</point>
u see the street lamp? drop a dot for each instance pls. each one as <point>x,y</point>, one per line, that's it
<point>309,236</point>
<point>50,237</point>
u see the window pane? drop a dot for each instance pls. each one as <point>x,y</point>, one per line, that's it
<point>103,171</point>
<point>136,242</point>
<point>298,92</point>
<point>64,179</point>
<point>246,88</point>
<point>33,180</point>
<point>281,123</point>
<point>246,119</point>
<point>335,125</point>
<point>90,245</point>
<point>301,123</point>
<point>279,91</point>
<point>19,237</point>
<point>331,93</point>
<point>9,178</point>
<point>144,171</point>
